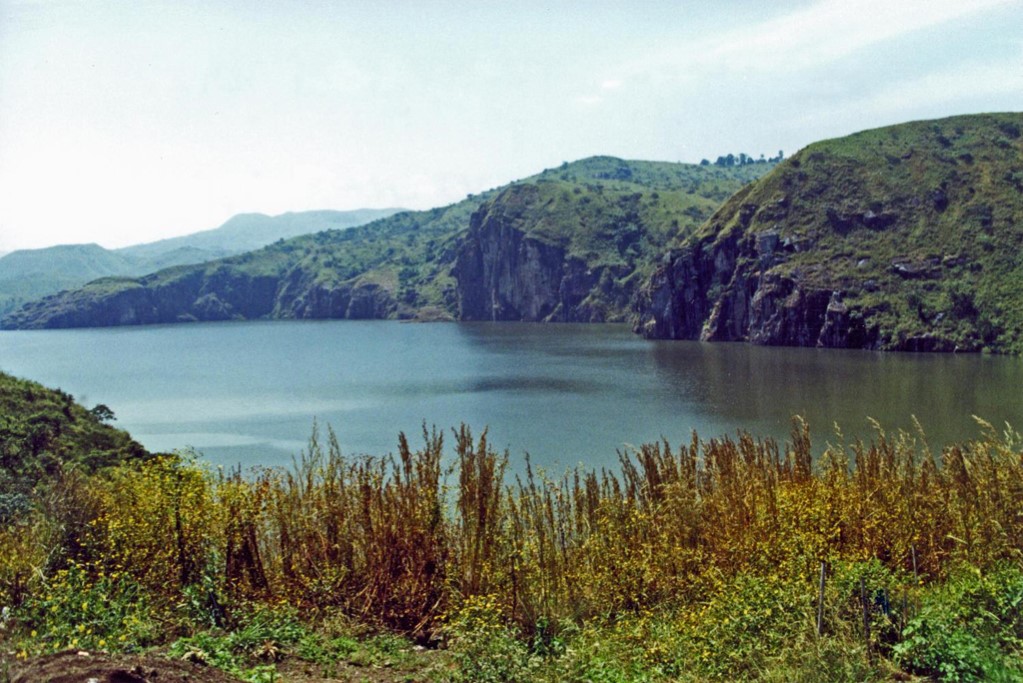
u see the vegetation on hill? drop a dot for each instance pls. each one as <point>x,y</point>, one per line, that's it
<point>44,432</point>
<point>906,237</point>
<point>401,266</point>
<point>574,245</point>
<point>29,274</point>
<point>697,563</point>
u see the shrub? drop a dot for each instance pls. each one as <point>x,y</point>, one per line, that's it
<point>78,608</point>
<point>969,629</point>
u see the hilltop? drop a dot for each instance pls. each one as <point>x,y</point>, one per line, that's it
<point>901,238</point>
<point>589,229</point>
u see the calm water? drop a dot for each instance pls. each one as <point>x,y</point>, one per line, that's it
<point>249,392</point>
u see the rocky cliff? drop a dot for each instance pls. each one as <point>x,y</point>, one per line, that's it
<point>507,271</point>
<point>571,243</point>
<point>903,238</point>
<point>206,294</point>
<point>570,250</point>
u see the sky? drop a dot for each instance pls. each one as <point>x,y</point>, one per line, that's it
<point>123,122</point>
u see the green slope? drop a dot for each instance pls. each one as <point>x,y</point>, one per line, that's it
<point>905,237</point>
<point>29,274</point>
<point>400,266</point>
<point>573,245</point>
<point>43,431</point>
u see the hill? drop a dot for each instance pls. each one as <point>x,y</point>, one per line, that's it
<point>248,231</point>
<point>903,238</point>
<point>28,274</point>
<point>43,431</point>
<point>603,218</point>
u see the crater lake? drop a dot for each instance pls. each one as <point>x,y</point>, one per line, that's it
<point>249,393</point>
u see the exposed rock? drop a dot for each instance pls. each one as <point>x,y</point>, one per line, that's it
<point>504,272</point>
<point>917,269</point>
<point>844,222</point>
<point>862,255</point>
<point>938,198</point>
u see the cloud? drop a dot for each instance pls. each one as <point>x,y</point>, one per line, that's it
<point>940,89</point>
<point>824,32</point>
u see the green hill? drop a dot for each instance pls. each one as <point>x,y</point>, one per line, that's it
<point>906,237</point>
<point>609,213</point>
<point>248,231</point>
<point>43,431</point>
<point>29,274</point>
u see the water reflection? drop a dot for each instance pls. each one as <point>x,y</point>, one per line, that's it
<point>763,387</point>
<point>248,392</point>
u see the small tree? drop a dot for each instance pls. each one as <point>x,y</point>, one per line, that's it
<point>102,413</point>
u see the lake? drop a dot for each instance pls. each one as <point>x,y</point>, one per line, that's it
<point>249,392</point>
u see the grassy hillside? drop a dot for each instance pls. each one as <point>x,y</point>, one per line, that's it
<point>574,245</point>
<point>44,431</point>
<point>905,237</point>
<point>401,266</point>
<point>29,274</point>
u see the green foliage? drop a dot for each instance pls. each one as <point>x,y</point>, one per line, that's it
<point>249,651</point>
<point>695,563</point>
<point>612,212</point>
<point>484,647</point>
<point>969,629</point>
<point>29,274</point>
<point>43,431</point>
<point>914,230</point>
<point>78,608</point>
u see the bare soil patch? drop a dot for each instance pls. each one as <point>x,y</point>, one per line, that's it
<point>80,667</point>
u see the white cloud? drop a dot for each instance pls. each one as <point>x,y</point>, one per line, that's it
<point>936,91</point>
<point>824,32</point>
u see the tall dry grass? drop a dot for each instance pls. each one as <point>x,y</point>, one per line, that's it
<point>402,539</point>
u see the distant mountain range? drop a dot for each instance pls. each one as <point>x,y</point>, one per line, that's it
<point>570,243</point>
<point>29,274</point>
<point>907,237</point>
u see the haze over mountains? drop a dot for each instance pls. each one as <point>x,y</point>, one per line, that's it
<point>29,274</point>
<point>905,237</point>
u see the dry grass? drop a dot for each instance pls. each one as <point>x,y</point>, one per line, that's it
<point>404,539</point>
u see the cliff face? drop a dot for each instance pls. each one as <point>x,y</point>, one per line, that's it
<point>505,273</point>
<point>904,238</point>
<point>303,294</point>
<point>569,244</point>
<point>205,294</point>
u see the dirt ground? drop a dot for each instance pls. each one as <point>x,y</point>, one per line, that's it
<point>76,667</point>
